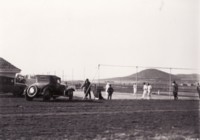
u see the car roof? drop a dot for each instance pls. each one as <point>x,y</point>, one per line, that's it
<point>47,76</point>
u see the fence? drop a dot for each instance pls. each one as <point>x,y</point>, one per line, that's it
<point>123,77</point>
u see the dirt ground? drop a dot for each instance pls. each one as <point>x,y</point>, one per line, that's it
<point>127,118</point>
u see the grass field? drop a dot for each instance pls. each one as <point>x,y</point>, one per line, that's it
<point>126,118</point>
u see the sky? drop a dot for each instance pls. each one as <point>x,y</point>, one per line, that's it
<point>71,37</point>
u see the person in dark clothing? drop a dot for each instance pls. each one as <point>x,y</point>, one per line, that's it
<point>97,92</point>
<point>198,89</point>
<point>110,92</point>
<point>87,88</point>
<point>175,90</point>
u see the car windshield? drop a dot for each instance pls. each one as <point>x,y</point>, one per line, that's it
<point>55,80</point>
<point>20,79</point>
<point>58,81</point>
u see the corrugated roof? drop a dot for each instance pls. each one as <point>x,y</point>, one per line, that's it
<point>6,66</point>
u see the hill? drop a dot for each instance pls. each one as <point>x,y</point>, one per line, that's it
<point>156,76</point>
<point>153,74</point>
<point>188,77</point>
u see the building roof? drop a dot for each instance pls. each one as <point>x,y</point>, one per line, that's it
<point>6,66</point>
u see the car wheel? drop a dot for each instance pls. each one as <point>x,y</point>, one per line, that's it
<point>31,92</point>
<point>46,94</point>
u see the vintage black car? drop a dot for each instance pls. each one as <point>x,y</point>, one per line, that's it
<point>47,87</point>
<point>12,85</point>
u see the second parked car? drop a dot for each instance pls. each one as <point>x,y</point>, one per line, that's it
<point>47,87</point>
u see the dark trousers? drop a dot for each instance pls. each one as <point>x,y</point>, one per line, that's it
<point>175,95</point>
<point>109,96</point>
<point>87,93</point>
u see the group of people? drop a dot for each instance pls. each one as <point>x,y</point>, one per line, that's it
<point>109,91</point>
<point>147,90</point>
<point>87,90</point>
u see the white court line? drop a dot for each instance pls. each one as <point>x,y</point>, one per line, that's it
<point>89,113</point>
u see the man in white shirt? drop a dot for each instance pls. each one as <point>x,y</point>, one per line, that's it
<point>145,88</point>
<point>149,88</point>
<point>134,88</point>
<point>106,90</point>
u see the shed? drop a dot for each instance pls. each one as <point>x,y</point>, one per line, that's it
<point>8,69</point>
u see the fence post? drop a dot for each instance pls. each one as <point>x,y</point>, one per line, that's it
<point>170,79</point>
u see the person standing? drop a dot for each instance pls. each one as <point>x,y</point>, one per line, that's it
<point>110,92</point>
<point>149,89</point>
<point>175,90</point>
<point>198,89</point>
<point>106,89</point>
<point>134,89</point>
<point>87,88</point>
<point>145,88</point>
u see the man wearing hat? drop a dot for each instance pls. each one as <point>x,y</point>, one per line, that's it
<point>175,90</point>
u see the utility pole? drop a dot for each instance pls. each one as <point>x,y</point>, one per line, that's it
<point>99,74</point>
<point>72,75</point>
<point>170,81</point>
<point>63,75</point>
<point>84,73</point>
<point>136,75</point>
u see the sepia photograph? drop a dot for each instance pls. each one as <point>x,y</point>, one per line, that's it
<point>99,70</point>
